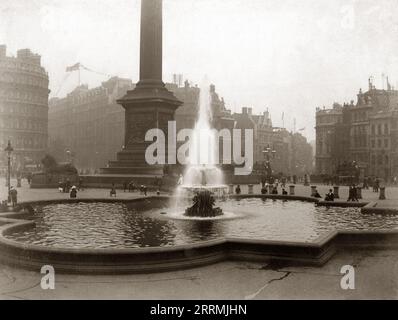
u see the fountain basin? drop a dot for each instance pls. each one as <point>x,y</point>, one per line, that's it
<point>177,254</point>
<point>141,224</point>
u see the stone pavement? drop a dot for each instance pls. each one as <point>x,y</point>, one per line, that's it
<point>27,194</point>
<point>376,277</point>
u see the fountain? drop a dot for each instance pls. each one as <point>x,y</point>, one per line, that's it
<point>203,180</point>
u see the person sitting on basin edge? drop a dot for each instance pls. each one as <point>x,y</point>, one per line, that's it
<point>329,196</point>
<point>284,192</point>
<point>316,194</point>
<point>73,192</point>
<point>264,189</point>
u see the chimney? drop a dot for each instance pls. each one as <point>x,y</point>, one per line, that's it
<point>244,110</point>
<point>250,110</point>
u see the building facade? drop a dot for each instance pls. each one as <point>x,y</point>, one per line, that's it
<point>289,153</point>
<point>87,126</point>
<point>23,107</point>
<point>364,134</point>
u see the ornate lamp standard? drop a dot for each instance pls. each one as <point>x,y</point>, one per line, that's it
<point>9,150</point>
<point>267,167</point>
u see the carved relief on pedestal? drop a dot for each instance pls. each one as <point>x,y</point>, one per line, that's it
<point>138,125</point>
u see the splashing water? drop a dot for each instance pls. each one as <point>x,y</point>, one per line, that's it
<point>202,173</point>
<point>203,157</point>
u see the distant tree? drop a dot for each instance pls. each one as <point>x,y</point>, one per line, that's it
<point>49,162</point>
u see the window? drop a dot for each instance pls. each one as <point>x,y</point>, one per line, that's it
<point>385,143</point>
<point>386,128</point>
<point>379,129</point>
<point>379,143</point>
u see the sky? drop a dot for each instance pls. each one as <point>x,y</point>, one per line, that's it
<point>289,56</point>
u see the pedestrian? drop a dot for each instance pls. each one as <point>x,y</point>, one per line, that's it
<point>238,190</point>
<point>60,186</point>
<point>352,194</point>
<point>73,192</point>
<point>131,186</point>
<point>283,182</point>
<point>145,190</point>
<point>125,185</point>
<point>14,196</point>
<point>113,191</point>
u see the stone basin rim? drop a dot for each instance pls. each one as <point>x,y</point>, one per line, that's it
<point>146,260</point>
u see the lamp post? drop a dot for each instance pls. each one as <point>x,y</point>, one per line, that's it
<point>267,167</point>
<point>9,150</point>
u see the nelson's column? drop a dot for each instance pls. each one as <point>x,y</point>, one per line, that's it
<point>150,105</point>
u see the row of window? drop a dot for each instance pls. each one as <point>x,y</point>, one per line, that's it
<point>23,124</point>
<point>26,143</point>
<point>14,64</point>
<point>380,129</point>
<point>380,160</point>
<point>24,79</point>
<point>380,143</point>
<point>24,96</point>
<point>25,110</point>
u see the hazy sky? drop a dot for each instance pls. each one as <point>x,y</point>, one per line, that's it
<point>288,55</point>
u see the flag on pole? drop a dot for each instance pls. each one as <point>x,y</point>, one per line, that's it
<point>73,68</point>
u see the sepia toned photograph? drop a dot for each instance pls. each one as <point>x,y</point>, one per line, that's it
<point>198,150</point>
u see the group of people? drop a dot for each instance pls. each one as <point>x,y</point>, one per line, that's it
<point>328,197</point>
<point>353,194</point>
<point>273,189</point>
<point>130,186</point>
<point>66,186</point>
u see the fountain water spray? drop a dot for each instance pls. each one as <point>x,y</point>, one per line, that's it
<point>202,174</point>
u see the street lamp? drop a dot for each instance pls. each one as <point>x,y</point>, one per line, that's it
<point>267,152</point>
<point>9,150</point>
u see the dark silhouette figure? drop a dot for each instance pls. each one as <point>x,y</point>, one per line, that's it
<point>73,192</point>
<point>329,196</point>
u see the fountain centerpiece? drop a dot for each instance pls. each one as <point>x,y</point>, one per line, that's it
<point>203,180</point>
